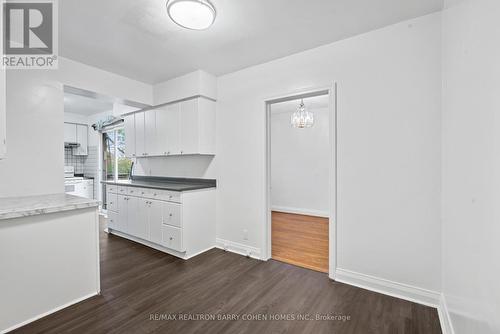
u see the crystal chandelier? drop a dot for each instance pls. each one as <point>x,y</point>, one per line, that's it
<point>302,118</point>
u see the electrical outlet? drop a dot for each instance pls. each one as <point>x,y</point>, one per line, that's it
<point>245,234</point>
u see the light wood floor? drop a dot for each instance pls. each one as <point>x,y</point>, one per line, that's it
<point>300,240</point>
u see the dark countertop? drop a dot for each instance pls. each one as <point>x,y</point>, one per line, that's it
<point>166,183</point>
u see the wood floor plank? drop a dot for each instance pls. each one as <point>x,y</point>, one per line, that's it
<point>300,240</point>
<point>138,282</point>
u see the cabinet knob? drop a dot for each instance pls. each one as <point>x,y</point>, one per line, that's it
<point>171,238</point>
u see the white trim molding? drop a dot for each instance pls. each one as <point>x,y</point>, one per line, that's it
<point>444,316</point>
<point>388,287</point>
<point>238,248</point>
<point>54,310</point>
<point>301,211</point>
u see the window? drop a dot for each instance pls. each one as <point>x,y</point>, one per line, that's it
<point>116,165</point>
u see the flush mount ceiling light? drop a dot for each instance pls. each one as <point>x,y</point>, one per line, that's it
<point>191,14</point>
<point>302,118</point>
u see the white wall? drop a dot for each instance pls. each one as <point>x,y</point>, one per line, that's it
<point>471,165</point>
<point>34,162</point>
<point>190,166</point>
<point>191,84</point>
<point>389,156</point>
<point>299,164</point>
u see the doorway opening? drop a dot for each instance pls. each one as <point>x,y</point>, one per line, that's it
<point>301,179</point>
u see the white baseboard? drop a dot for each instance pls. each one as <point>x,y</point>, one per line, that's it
<point>238,248</point>
<point>49,312</point>
<point>300,211</point>
<point>387,287</point>
<point>444,316</point>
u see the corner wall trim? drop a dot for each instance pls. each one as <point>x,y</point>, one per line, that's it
<point>444,316</point>
<point>238,248</point>
<point>300,211</point>
<point>54,310</point>
<point>390,288</point>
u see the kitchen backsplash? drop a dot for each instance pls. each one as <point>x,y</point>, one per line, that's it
<point>73,160</point>
<point>83,164</point>
<point>87,165</point>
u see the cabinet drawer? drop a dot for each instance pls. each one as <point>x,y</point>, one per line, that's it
<point>121,190</point>
<point>172,214</point>
<point>111,202</point>
<point>111,188</point>
<point>112,219</point>
<point>172,237</point>
<point>165,195</point>
<point>134,191</point>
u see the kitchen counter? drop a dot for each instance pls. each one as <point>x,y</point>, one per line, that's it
<point>15,207</point>
<point>166,183</point>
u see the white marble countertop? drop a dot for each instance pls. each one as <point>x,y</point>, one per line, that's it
<point>15,207</point>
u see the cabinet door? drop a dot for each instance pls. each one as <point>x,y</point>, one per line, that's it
<point>189,126</point>
<point>173,134</point>
<point>112,219</point>
<point>122,219</point>
<point>130,136</point>
<point>82,139</point>
<point>69,133</point>
<point>155,221</point>
<point>150,142</point>
<point>140,145</point>
<point>137,217</point>
<point>161,131</point>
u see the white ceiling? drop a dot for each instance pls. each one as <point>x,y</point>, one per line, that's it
<point>311,103</point>
<point>86,106</point>
<point>138,40</point>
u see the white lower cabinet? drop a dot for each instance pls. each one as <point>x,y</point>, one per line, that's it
<point>121,223</point>
<point>155,221</point>
<point>181,222</point>
<point>112,219</point>
<point>137,211</point>
<point>172,237</point>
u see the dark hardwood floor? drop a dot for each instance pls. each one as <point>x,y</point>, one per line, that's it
<point>146,291</point>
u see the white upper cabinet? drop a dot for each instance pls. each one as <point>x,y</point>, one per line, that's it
<point>206,126</point>
<point>197,126</point>
<point>186,127</point>
<point>130,136</point>
<point>189,127</point>
<point>140,144</point>
<point>69,133</point>
<point>79,134</point>
<point>150,142</point>
<point>168,129</point>
<point>82,136</point>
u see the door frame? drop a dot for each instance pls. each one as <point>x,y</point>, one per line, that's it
<point>331,91</point>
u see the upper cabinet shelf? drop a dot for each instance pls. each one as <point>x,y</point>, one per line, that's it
<point>183,128</point>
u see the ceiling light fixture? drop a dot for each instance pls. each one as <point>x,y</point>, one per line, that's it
<point>302,118</point>
<point>192,14</point>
